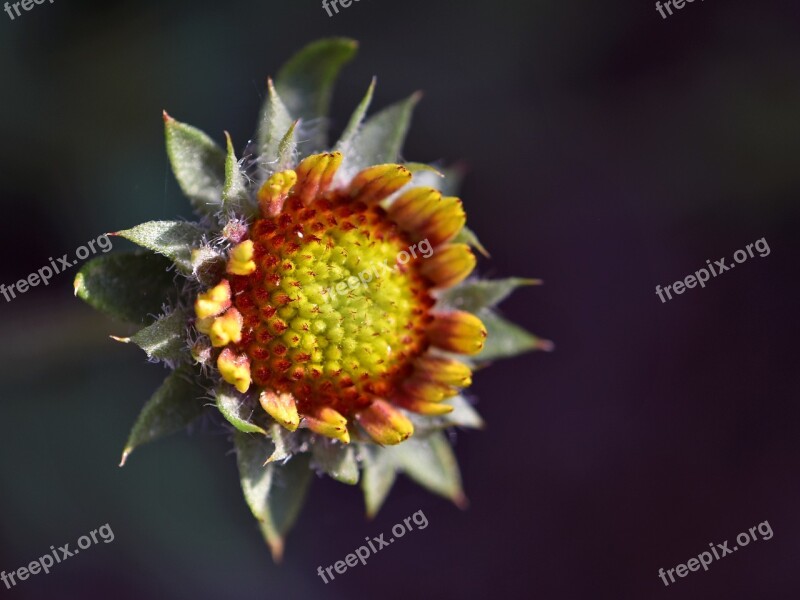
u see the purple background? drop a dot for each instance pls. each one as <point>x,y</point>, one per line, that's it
<point>609,151</point>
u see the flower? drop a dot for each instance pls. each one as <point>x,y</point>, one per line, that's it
<point>322,300</point>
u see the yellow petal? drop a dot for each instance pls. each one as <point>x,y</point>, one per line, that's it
<point>457,331</point>
<point>376,183</point>
<point>447,371</point>
<point>281,407</point>
<point>428,390</point>
<point>214,301</point>
<point>385,424</point>
<point>315,175</point>
<point>430,409</point>
<point>274,192</point>
<point>240,259</point>
<point>328,422</point>
<point>235,369</point>
<point>449,265</point>
<point>226,329</point>
<point>425,214</point>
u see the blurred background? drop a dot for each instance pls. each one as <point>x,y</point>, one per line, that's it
<point>609,150</point>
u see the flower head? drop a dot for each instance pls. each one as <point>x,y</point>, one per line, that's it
<point>322,299</point>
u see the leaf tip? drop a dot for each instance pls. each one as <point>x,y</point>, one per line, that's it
<point>125,454</point>
<point>544,345</point>
<point>460,500</point>
<point>276,547</point>
<point>167,118</point>
<point>78,284</point>
<point>124,340</point>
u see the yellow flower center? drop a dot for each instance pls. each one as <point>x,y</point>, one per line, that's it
<point>334,307</point>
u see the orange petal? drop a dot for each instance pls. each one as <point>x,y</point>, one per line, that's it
<point>328,422</point>
<point>376,183</point>
<point>385,424</point>
<point>447,371</point>
<point>282,408</point>
<point>214,301</point>
<point>449,265</point>
<point>315,174</point>
<point>457,331</point>
<point>428,390</point>
<point>274,192</point>
<point>424,213</point>
<point>235,369</point>
<point>414,207</point>
<point>445,223</point>
<point>226,329</point>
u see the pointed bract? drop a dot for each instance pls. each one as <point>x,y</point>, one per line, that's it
<point>275,493</point>
<point>198,164</point>
<point>306,84</point>
<point>273,124</point>
<point>178,402</point>
<point>131,286</point>
<point>381,138</point>
<point>235,195</point>
<point>173,239</point>
<point>353,126</point>
<point>164,339</point>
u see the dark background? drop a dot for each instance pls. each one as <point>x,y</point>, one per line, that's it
<point>609,151</point>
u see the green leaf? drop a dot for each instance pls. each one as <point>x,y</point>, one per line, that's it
<point>475,295</point>
<point>129,286</point>
<point>467,236</point>
<point>178,402</point>
<point>273,124</point>
<point>198,164</point>
<point>275,492</point>
<point>336,460</point>
<point>283,443</point>
<point>378,476</point>
<point>236,410</point>
<point>165,339</point>
<point>173,239</point>
<point>235,197</point>
<point>446,180</point>
<point>381,138</point>
<point>463,415</point>
<point>506,339</point>
<point>353,126</point>
<point>416,168</point>
<point>431,463</point>
<point>287,148</point>
<point>306,84</point>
